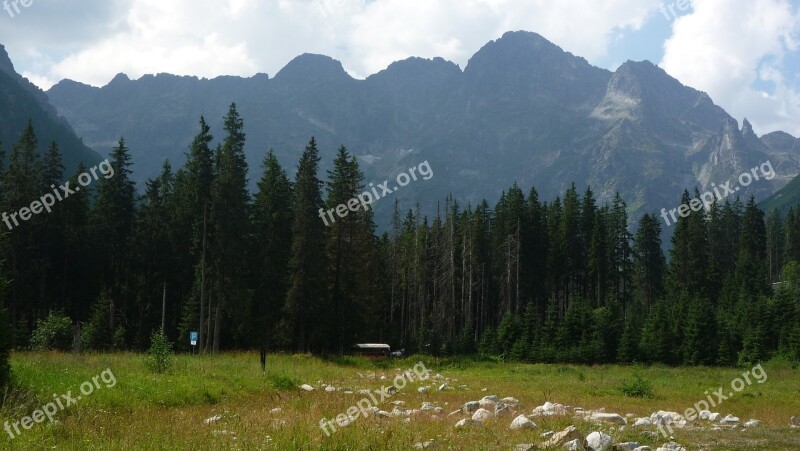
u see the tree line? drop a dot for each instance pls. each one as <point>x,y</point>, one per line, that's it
<point>546,281</point>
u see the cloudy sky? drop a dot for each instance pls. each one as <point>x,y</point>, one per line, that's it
<point>744,53</point>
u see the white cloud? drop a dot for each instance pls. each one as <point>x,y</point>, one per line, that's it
<point>241,37</point>
<point>725,47</point>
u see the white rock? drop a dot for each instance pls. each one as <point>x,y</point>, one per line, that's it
<point>426,444</point>
<point>443,387</point>
<point>547,434</point>
<point>715,417</point>
<point>522,422</point>
<point>671,447</point>
<point>526,447</point>
<point>213,419</point>
<point>470,406</point>
<point>642,422</point>
<point>794,422</point>
<point>704,414</point>
<point>275,410</point>
<point>438,410</point>
<point>613,418</point>
<point>597,441</point>
<point>423,390</point>
<point>306,387</point>
<point>468,422</point>
<point>510,400</point>
<point>627,446</point>
<point>643,448</point>
<point>482,415</point>
<point>427,406</point>
<point>501,410</point>
<point>752,424</point>
<point>730,419</point>
<point>330,389</point>
<point>574,445</point>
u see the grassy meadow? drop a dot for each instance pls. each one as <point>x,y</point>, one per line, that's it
<point>151,411</point>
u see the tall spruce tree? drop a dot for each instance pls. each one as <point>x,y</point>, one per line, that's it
<point>307,300</point>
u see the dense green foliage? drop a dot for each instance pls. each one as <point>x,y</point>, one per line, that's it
<point>52,333</point>
<point>159,356</point>
<point>558,281</point>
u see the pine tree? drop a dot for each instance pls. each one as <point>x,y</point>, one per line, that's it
<point>307,299</point>
<point>271,246</point>
<point>229,219</point>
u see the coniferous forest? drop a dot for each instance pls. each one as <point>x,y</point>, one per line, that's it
<point>541,280</point>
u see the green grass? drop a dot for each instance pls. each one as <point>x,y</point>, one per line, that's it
<point>167,411</point>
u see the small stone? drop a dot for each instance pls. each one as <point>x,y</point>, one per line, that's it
<point>482,415</point>
<point>522,422</point>
<point>213,419</point>
<point>275,410</point>
<point>547,434</point>
<point>306,387</point>
<point>423,390</point>
<point>468,422</point>
<point>470,406</point>
<point>559,439</point>
<point>672,446</point>
<point>574,445</point>
<point>612,418</point>
<point>642,422</point>
<point>627,446</point>
<point>794,422</point>
<point>752,424</point>
<point>426,444</point>
<point>704,414</point>
<point>715,417</point>
<point>730,419</point>
<point>330,389</point>
<point>597,441</point>
<point>525,447</point>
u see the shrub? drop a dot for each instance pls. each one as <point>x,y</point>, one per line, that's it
<point>639,387</point>
<point>55,332</point>
<point>159,357</point>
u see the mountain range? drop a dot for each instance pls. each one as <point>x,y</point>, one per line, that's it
<point>522,110</point>
<point>21,101</point>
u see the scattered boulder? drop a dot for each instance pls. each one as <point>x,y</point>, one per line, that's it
<point>482,415</point>
<point>730,420</point>
<point>574,445</point>
<point>794,422</point>
<point>522,422</point>
<point>672,446</point>
<point>642,422</point>
<point>330,389</point>
<point>502,410</point>
<point>470,406</point>
<point>627,446</point>
<point>715,417</point>
<point>547,434</point>
<point>443,387</point>
<point>510,401</point>
<point>549,409</point>
<point>427,406</point>
<point>426,444</point>
<point>597,441</point>
<point>560,439</point>
<point>752,424</point>
<point>213,419</point>
<point>423,390</point>
<point>306,387</point>
<point>643,448</point>
<point>704,414</point>
<point>275,411</point>
<point>613,418</point>
<point>468,422</point>
<point>525,447</point>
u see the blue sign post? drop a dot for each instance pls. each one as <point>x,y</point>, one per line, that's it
<point>193,337</point>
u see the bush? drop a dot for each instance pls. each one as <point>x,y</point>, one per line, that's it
<point>55,333</point>
<point>159,357</point>
<point>639,387</point>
